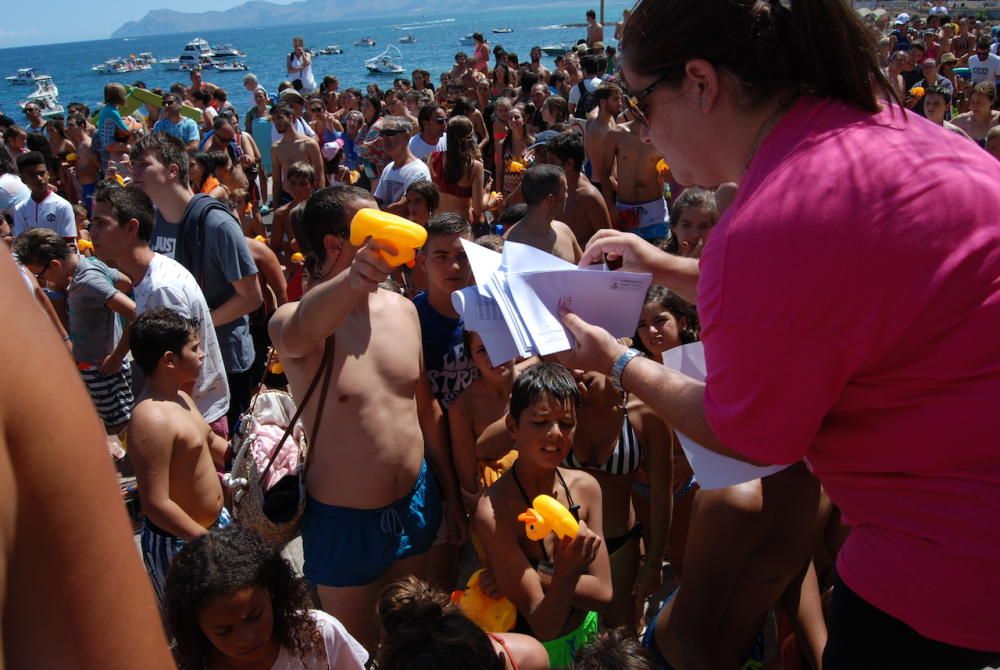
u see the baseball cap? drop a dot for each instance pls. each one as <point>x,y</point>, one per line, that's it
<point>331,149</point>
<point>902,19</point>
<point>543,137</point>
<point>290,94</point>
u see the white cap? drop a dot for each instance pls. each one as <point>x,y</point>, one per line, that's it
<point>902,19</point>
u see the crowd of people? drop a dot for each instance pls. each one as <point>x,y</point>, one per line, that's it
<point>187,265</point>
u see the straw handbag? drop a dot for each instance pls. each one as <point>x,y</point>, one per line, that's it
<point>276,512</point>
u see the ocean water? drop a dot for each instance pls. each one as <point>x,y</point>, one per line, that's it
<point>266,47</point>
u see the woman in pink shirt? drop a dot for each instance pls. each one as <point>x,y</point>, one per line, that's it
<point>848,312</point>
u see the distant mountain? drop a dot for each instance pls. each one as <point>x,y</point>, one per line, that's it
<point>256,13</point>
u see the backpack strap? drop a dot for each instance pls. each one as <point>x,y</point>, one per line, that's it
<point>325,371</point>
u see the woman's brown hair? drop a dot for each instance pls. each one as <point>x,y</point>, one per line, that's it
<point>462,148</point>
<point>769,47</point>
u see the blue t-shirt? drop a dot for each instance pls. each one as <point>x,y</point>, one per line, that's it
<point>186,130</point>
<point>449,369</point>
<point>224,259</point>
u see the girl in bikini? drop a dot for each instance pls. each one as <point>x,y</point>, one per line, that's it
<point>458,171</point>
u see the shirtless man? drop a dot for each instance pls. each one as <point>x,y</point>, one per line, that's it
<point>640,207</point>
<point>170,443</point>
<point>373,510</point>
<point>609,105</point>
<point>585,212</point>
<point>75,548</point>
<point>595,31</point>
<point>88,164</point>
<point>536,65</point>
<point>300,183</point>
<point>544,189</point>
<point>291,148</point>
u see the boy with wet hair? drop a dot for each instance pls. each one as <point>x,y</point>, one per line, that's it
<point>556,585</point>
<point>171,444</point>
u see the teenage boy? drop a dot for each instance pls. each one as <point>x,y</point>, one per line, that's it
<point>373,507</point>
<point>544,190</point>
<point>170,443</point>
<point>94,300</point>
<point>121,228</point>
<point>44,209</point>
<point>449,367</point>
<point>291,147</point>
<point>202,235</point>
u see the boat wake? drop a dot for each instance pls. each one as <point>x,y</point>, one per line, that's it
<point>422,24</point>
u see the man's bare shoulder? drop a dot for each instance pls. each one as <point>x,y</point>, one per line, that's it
<point>562,229</point>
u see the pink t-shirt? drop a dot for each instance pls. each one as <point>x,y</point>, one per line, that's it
<point>851,316</point>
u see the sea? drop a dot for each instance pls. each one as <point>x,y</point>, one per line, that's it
<point>266,47</point>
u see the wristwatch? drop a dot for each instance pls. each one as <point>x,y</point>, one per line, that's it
<point>619,367</point>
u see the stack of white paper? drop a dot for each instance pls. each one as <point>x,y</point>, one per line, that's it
<point>515,303</point>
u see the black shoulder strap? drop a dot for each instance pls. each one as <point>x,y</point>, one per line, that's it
<point>324,371</point>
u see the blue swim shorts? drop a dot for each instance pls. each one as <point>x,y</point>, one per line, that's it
<point>343,546</point>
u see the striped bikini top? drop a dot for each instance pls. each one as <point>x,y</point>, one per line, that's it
<point>624,459</point>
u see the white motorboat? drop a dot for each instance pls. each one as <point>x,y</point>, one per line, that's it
<point>227,52</point>
<point>467,41</point>
<point>24,77</point>
<point>146,58</point>
<point>408,39</point>
<point>389,61</point>
<point>231,66</point>
<point>331,50</point>
<point>556,49</point>
<point>46,96</point>
<point>195,55</point>
<point>503,31</point>
<point>121,66</point>
<point>365,42</point>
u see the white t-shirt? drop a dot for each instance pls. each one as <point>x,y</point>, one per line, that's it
<point>343,652</point>
<point>54,213</point>
<point>984,70</point>
<point>305,74</point>
<point>589,84</point>
<point>13,192</point>
<point>393,183</point>
<point>167,283</point>
<point>421,149</point>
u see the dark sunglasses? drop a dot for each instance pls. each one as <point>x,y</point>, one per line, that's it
<point>440,121</point>
<point>633,99</point>
<point>41,273</point>
<point>392,132</point>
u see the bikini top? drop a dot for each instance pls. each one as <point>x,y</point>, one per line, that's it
<point>573,507</point>
<point>438,178</point>
<point>624,459</point>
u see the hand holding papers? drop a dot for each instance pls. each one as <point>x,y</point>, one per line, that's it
<point>515,303</point>
<point>711,470</point>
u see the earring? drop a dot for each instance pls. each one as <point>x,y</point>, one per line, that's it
<point>704,104</point>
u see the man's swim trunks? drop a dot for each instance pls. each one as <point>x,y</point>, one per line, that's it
<point>159,548</point>
<point>649,220</point>
<point>343,546</point>
<point>561,649</point>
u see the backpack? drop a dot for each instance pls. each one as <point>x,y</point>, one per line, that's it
<point>588,100</point>
<point>191,252</point>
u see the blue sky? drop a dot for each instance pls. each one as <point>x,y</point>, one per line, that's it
<point>72,21</point>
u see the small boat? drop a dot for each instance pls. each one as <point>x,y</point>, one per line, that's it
<point>331,50</point>
<point>365,42</point>
<point>503,31</point>
<point>231,66</point>
<point>408,39</point>
<point>555,49</point>
<point>389,61</point>
<point>24,77</point>
<point>146,57</point>
<point>46,96</point>
<point>121,66</point>
<point>227,51</point>
<point>467,40</point>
